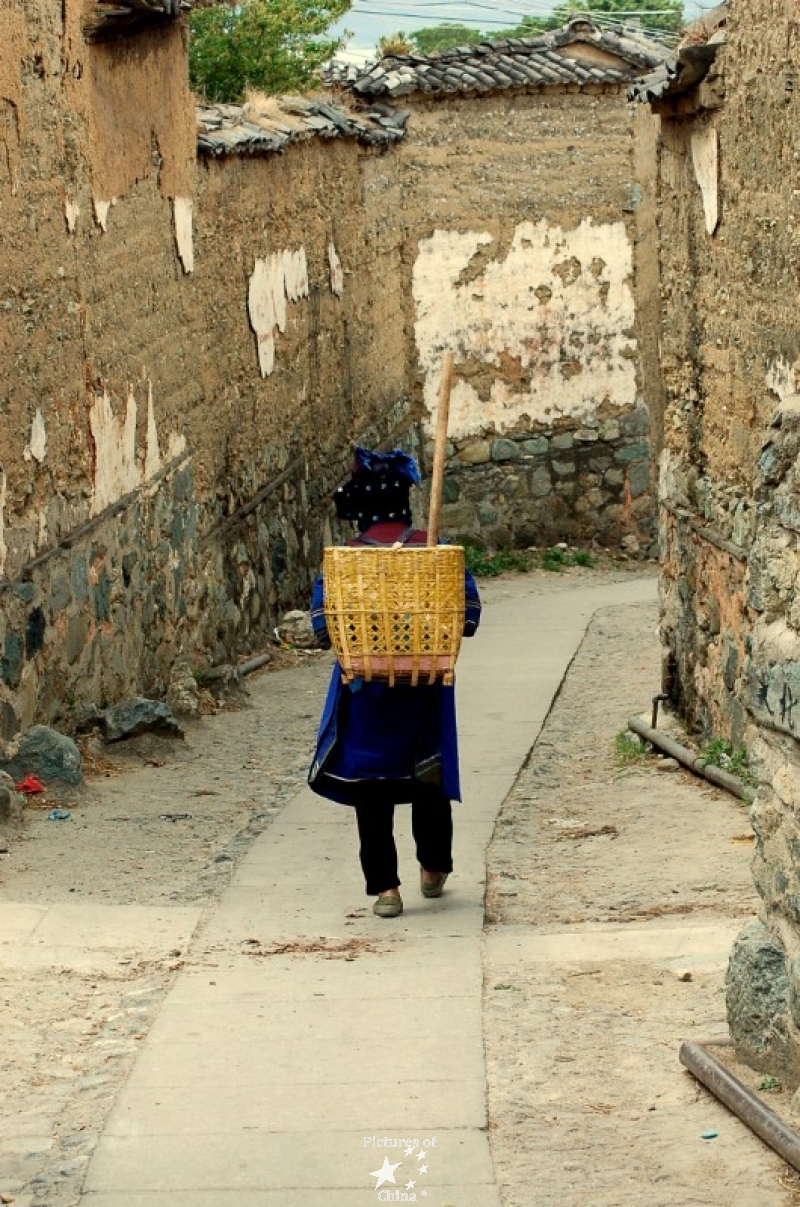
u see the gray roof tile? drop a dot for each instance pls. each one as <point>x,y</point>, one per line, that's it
<point>248,130</point>
<point>511,63</point>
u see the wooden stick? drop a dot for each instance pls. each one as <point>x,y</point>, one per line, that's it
<point>440,448</point>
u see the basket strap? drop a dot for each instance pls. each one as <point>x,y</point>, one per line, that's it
<point>401,540</point>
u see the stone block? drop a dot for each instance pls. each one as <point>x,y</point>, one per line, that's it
<point>563,440</point>
<point>757,998</point>
<point>451,489</point>
<point>60,594</point>
<point>631,452</point>
<point>459,518</point>
<point>610,430</point>
<point>539,447</point>
<point>541,483</point>
<point>477,453</point>
<point>13,656</point>
<point>635,423</point>
<point>563,469</point>
<point>587,435</point>
<point>614,477</point>
<point>76,637</point>
<point>505,450</point>
<point>639,479</point>
<point>80,579</point>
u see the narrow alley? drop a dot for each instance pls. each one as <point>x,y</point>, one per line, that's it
<point>237,1028</point>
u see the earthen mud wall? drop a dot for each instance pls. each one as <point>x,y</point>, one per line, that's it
<point>728,491</point>
<point>161,493</point>
<point>524,232</point>
<point>190,346</point>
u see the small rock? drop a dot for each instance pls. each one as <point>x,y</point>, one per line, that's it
<point>183,693</point>
<point>684,975</point>
<point>46,753</point>
<point>668,765</point>
<point>295,629</point>
<point>630,544</point>
<point>139,715</point>
<point>86,717</point>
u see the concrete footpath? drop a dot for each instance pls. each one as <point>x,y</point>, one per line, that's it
<point>303,1032</point>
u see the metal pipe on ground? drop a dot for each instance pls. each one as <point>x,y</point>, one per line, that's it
<point>687,758</point>
<point>746,1105</point>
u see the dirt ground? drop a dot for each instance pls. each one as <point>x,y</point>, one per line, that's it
<point>589,989</point>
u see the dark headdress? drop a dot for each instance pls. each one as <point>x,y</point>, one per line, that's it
<point>379,488</point>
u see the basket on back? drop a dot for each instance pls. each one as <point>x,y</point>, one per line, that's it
<point>395,614</point>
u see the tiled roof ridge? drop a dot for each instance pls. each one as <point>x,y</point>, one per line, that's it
<point>487,66</point>
<point>243,130</point>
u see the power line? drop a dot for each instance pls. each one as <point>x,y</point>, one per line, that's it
<point>513,16</point>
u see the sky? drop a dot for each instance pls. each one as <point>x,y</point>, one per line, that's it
<point>372,19</point>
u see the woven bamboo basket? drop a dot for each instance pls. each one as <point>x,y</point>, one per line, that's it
<point>395,614</point>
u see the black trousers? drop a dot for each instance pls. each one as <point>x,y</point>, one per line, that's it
<point>431,825</point>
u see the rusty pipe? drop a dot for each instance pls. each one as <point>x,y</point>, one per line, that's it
<point>687,758</point>
<point>746,1105</point>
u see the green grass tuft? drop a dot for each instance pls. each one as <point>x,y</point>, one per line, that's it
<point>733,759</point>
<point>629,748</point>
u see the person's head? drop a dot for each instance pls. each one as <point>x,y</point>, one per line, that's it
<point>378,489</point>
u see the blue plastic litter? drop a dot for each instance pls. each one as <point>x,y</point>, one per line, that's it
<point>57,815</point>
<point>709,1135</point>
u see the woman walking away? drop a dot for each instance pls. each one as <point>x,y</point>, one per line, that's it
<point>381,746</point>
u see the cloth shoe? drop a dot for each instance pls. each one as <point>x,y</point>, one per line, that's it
<point>390,906</point>
<point>432,888</point>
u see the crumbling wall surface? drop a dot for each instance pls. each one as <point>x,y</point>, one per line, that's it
<point>319,360</point>
<point>185,354</point>
<point>522,223</point>
<point>731,530</point>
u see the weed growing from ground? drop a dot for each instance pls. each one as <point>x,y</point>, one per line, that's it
<point>629,749</point>
<point>733,759</point>
<point>557,558</point>
<point>485,564</point>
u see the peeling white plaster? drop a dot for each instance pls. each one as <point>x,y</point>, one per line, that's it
<point>337,276</point>
<point>101,209</point>
<point>281,276</point>
<point>183,215</point>
<point>72,213</point>
<point>547,322</point>
<point>3,546</point>
<point>37,446</point>
<point>152,456</point>
<point>705,158</point>
<point>780,378</point>
<point>115,471</point>
<point>118,469</point>
<point>176,446</point>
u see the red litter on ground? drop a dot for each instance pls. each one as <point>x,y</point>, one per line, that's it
<point>31,786</point>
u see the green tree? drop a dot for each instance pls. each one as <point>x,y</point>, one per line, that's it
<point>670,18</point>
<point>442,37</point>
<point>270,45</point>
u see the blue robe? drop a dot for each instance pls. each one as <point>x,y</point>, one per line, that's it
<point>392,737</point>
